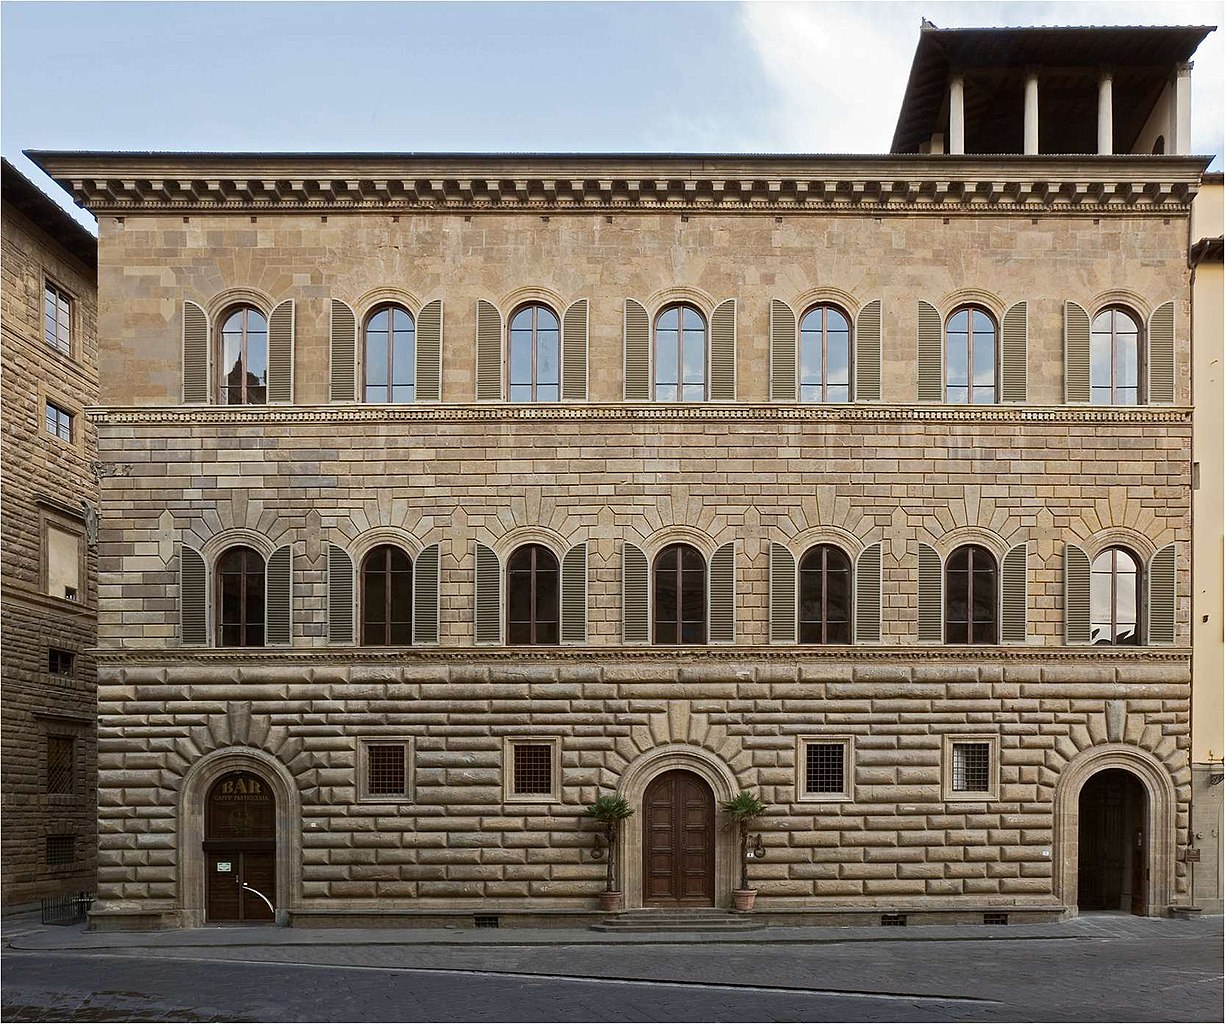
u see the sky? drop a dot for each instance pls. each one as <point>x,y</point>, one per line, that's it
<point>754,77</point>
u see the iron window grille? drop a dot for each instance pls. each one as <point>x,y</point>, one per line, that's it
<point>61,849</point>
<point>825,768</point>
<point>61,774</point>
<point>533,769</point>
<point>386,769</point>
<point>971,767</point>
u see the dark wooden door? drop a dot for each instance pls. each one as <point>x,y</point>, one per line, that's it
<point>236,881</point>
<point>240,849</point>
<point>678,850</point>
<point>1111,844</point>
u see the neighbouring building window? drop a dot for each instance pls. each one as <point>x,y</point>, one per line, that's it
<point>60,662</point>
<point>59,422</point>
<point>1114,598</point>
<point>63,552</point>
<point>533,588</point>
<point>391,355</point>
<point>971,768</point>
<point>971,597</point>
<point>531,768</point>
<point>680,595</point>
<point>387,597</point>
<point>244,357</point>
<point>1114,368</point>
<point>61,767</point>
<point>825,356</point>
<point>57,318</point>
<point>825,596</point>
<point>535,355</point>
<point>387,769</point>
<point>61,849</point>
<point>825,769</point>
<point>240,598</point>
<point>970,357</point>
<point>680,355</point>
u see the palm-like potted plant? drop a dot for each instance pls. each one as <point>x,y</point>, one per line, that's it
<point>742,810</point>
<point>609,812</point>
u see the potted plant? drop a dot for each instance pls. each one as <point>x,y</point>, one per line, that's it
<point>743,810</point>
<point>609,812</point>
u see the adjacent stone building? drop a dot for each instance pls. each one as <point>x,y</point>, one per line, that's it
<point>48,618</point>
<point>443,494</point>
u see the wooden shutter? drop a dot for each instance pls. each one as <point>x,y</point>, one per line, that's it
<point>930,370</point>
<point>1014,590</point>
<point>488,352</point>
<point>1161,354</point>
<point>637,353</point>
<point>488,610</point>
<point>1014,353</point>
<point>280,352</point>
<point>867,353</point>
<point>426,595</point>
<point>574,595</point>
<point>195,355</point>
<point>1075,356</point>
<point>278,606</point>
<point>868,595</point>
<point>343,348</point>
<point>782,595</point>
<point>429,352</point>
<point>723,352</point>
<point>722,584</point>
<point>1076,578</point>
<point>1161,596</point>
<point>193,597</point>
<point>931,596</point>
<point>574,352</point>
<point>635,585</point>
<point>783,357</point>
<point>340,595</point>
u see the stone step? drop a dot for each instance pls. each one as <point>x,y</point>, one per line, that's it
<point>699,919</point>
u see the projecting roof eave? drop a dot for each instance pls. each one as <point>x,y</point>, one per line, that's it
<point>22,194</point>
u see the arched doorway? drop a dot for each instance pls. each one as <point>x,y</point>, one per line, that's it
<point>1112,871</point>
<point>240,849</point>
<point>678,849</point>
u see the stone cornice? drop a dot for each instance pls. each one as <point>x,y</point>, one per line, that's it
<point>265,415</point>
<point>183,182</point>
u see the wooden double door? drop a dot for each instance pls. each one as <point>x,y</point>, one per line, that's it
<point>678,849</point>
<point>240,850</point>
<point>1112,847</point>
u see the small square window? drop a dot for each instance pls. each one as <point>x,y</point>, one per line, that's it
<point>823,768</point>
<point>60,662</point>
<point>531,769</point>
<point>63,559</point>
<point>57,318</point>
<point>385,767</point>
<point>971,768</point>
<point>61,849</point>
<point>59,422</point>
<point>61,764</point>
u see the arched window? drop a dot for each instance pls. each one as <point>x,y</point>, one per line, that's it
<point>1114,598</point>
<point>825,356</point>
<point>680,595</point>
<point>240,598</point>
<point>825,596</point>
<point>680,355</point>
<point>1114,368</point>
<point>535,363</point>
<point>969,357</point>
<point>391,355</point>
<point>971,597</point>
<point>533,588</point>
<point>387,597</point>
<point>244,357</point>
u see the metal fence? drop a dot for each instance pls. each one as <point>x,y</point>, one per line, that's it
<point>69,909</point>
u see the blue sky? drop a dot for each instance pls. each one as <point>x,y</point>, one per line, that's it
<point>511,77</point>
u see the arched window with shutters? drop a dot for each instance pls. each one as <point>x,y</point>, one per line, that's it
<point>387,597</point>
<point>971,596</point>
<point>825,355</point>
<point>825,596</point>
<point>390,355</point>
<point>1114,358</point>
<point>240,598</point>
<point>534,355</point>
<point>533,589</point>
<point>680,355</point>
<point>971,357</point>
<point>243,357</point>
<point>1114,598</point>
<point>679,584</point>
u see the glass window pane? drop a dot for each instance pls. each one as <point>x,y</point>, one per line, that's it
<point>984,358</point>
<point>1127,368</point>
<point>522,321</point>
<point>666,357</point>
<point>666,393</point>
<point>957,363</point>
<point>694,357</point>
<point>693,320</point>
<point>376,357</point>
<point>521,357</point>
<point>548,393</point>
<point>669,319</point>
<point>960,321</point>
<point>545,320</point>
<point>838,358</point>
<point>404,357</point>
<point>983,323</point>
<point>546,358</point>
<point>838,393</point>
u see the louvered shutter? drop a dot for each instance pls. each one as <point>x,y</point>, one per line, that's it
<point>278,606</point>
<point>1161,596</point>
<point>1076,622</point>
<point>867,353</point>
<point>193,597</point>
<point>195,355</point>
<point>931,596</point>
<point>1014,354</point>
<point>723,595</point>
<point>574,595</point>
<point>783,386</point>
<point>1161,354</point>
<point>340,595</point>
<point>426,594</point>
<point>637,353</point>
<point>1014,589</point>
<point>1075,356</point>
<point>342,345</point>
<point>429,352</point>
<point>488,610</point>
<point>574,352</point>
<point>723,352</point>
<point>868,595</point>
<point>930,354</point>
<point>280,352</point>
<point>782,595</point>
<point>635,607</point>
<point>488,352</point>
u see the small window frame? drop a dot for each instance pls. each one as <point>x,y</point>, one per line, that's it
<point>509,796</point>
<point>362,787</point>
<point>51,284</point>
<point>53,518</point>
<point>991,793</point>
<point>802,743</point>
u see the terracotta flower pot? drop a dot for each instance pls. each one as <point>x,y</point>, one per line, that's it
<point>610,902</point>
<point>743,899</point>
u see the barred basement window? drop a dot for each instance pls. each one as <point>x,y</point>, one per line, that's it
<point>59,422</point>
<point>823,768</point>
<point>533,768</point>
<point>60,662</point>
<point>61,773</point>
<point>385,774</point>
<point>530,769</point>
<point>57,318</point>
<point>61,850</point>
<point>971,767</point>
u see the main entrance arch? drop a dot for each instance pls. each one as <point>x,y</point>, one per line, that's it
<point>1112,862</point>
<point>678,851</point>
<point>240,850</point>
